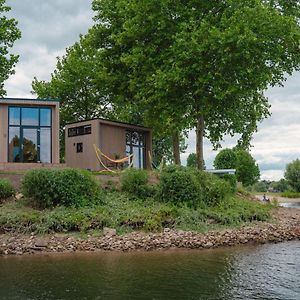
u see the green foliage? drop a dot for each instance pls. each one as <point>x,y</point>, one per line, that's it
<point>214,189</point>
<point>6,189</point>
<point>290,194</point>
<point>135,183</point>
<point>226,159</point>
<point>69,187</point>
<point>181,185</point>
<point>125,214</point>
<point>189,60</point>
<point>292,174</point>
<point>9,33</point>
<point>260,187</point>
<point>280,186</point>
<point>231,179</point>
<point>247,170</point>
<point>192,160</point>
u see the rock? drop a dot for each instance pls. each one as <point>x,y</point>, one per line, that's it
<point>109,231</point>
<point>41,243</point>
<point>19,196</point>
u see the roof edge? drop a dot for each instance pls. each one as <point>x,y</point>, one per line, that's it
<point>30,99</point>
<point>112,121</point>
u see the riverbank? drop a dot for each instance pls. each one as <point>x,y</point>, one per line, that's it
<point>286,227</point>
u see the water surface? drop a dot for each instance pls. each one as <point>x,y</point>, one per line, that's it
<point>270,271</point>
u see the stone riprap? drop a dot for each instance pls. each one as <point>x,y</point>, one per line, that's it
<point>286,227</point>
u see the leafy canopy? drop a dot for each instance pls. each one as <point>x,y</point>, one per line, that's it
<point>187,59</point>
<point>247,170</point>
<point>9,33</point>
<point>292,174</point>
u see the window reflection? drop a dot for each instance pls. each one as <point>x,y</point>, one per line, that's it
<point>30,116</point>
<point>14,116</point>
<point>30,153</point>
<point>29,134</point>
<point>135,144</point>
<point>45,145</point>
<point>14,144</point>
<point>45,115</point>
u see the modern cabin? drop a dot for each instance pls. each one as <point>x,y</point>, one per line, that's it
<point>115,139</point>
<point>29,133</point>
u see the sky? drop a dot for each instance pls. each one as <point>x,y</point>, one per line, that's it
<point>49,27</point>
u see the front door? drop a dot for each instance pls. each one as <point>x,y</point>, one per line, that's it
<point>29,145</point>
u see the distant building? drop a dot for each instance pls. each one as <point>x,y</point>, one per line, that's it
<point>29,133</point>
<point>116,140</point>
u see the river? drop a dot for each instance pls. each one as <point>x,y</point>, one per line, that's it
<point>270,271</point>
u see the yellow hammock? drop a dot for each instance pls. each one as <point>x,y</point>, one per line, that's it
<point>99,154</point>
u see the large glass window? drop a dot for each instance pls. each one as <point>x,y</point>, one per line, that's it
<point>30,132</point>
<point>14,145</point>
<point>136,145</point>
<point>30,116</point>
<point>14,116</point>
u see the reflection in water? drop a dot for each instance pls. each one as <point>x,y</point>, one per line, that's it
<point>291,204</point>
<point>252,272</point>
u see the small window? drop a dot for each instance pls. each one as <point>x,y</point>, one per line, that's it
<point>81,130</point>
<point>79,147</point>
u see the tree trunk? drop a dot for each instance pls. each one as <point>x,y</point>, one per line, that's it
<point>176,147</point>
<point>199,144</point>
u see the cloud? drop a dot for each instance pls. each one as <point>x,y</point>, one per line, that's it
<point>48,28</point>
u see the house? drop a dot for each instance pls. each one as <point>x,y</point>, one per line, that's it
<point>29,133</point>
<point>115,140</point>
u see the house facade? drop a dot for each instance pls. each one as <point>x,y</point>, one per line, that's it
<point>115,139</point>
<point>29,133</point>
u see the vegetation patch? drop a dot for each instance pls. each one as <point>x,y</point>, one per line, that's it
<point>46,188</point>
<point>6,190</point>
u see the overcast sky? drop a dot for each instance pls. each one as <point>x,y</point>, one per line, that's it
<point>48,27</point>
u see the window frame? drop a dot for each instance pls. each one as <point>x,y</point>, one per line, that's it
<point>37,127</point>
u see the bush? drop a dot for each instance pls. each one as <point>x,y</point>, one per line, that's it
<point>231,179</point>
<point>68,187</point>
<point>184,185</point>
<point>214,190</point>
<point>179,185</point>
<point>135,182</point>
<point>6,189</point>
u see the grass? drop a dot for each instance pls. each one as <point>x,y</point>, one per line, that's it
<point>126,214</point>
<point>290,194</point>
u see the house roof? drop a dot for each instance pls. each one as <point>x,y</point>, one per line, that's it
<point>111,122</point>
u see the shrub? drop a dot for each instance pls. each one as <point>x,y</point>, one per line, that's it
<point>6,189</point>
<point>135,182</point>
<point>231,179</point>
<point>214,190</point>
<point>68,187</point>
<point>179,185</point>
<point>187,185</point>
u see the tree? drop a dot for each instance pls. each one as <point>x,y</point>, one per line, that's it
<point>247,170</point>
<point>9,33</point>
<point>73,83</point>
<point>226,159</point>
<point>292,174</point>
<point>191,160</point>
<point>203,63</point>
<point>280,186</point>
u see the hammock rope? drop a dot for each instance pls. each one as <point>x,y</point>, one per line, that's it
<point>99,153</point>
